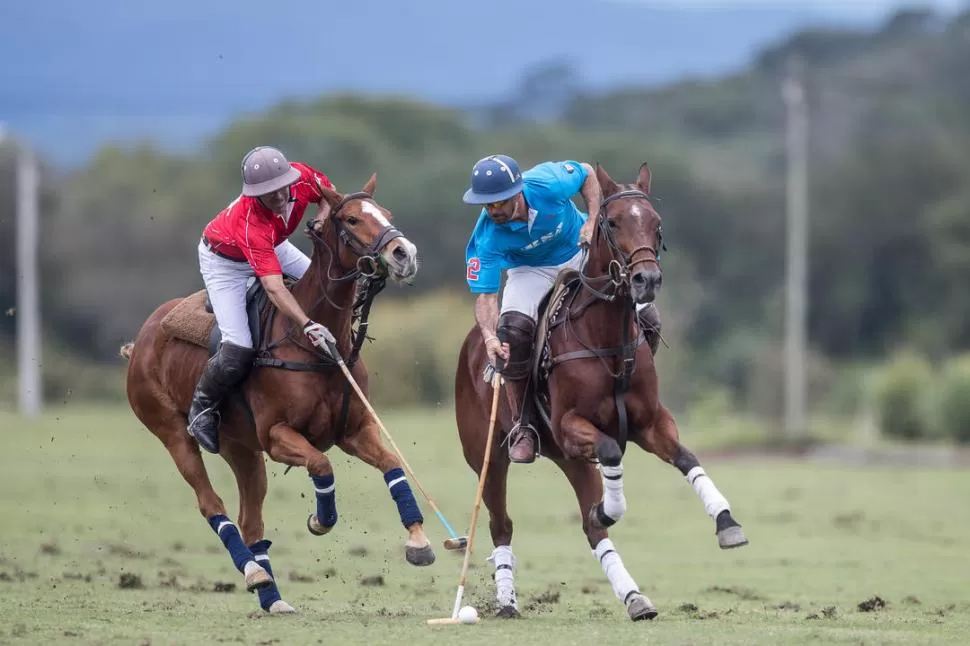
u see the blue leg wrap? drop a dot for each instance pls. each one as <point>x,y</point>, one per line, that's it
<point>400,490</point>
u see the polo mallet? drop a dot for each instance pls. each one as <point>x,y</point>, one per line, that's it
<point>453,619</point>
<point>455,542</point>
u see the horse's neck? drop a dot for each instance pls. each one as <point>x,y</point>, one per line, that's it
<point>324,300</point>
<point>606,317</point>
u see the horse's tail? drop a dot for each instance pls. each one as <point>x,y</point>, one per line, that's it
<point>126,350</point>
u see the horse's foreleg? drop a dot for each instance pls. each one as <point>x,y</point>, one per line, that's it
<point>289,447</point>
<point>250,472</point>
<point>586,483</point>
<point>494,495</point>
<point>366,445</point>
<point>188,460</point>
<point>663,440</point>
<point>582,438</point>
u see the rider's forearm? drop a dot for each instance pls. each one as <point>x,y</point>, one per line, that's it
<point>283,299</point>
<point>486,314</point>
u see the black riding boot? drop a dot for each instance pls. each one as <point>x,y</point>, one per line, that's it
<point>518,330</point>
<point>649,318</point>
<point>223,372</point>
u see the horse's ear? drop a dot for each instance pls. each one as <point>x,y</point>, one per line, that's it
<point>371,184</point>
<point>643,179</point>
<point>330,196</point>
<point>607,185</point>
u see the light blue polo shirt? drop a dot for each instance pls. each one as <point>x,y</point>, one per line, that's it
<point>549,238</point>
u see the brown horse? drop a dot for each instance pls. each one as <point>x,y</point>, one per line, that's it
<point>595,386</point>
<point>296,404</point>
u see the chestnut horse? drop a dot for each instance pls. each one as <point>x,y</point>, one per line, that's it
<point>595,386</point>
<point>296,403</point>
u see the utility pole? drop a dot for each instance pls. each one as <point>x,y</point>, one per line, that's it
<point>30,386</point>
<point>793,93</point>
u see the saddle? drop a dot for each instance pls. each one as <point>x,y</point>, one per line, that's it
<point>193,320</point>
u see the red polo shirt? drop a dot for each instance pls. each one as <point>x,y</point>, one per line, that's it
<point>247,230</point>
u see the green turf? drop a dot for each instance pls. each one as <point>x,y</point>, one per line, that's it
<point>89,495</point>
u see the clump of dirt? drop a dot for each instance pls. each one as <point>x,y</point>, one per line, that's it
<point>329,572</point>
<point>18,575</point>
<point>549,596</point>
<point>912,600</point>
<point>50,548</point>
<point>744,593</point>
<point>371,581</point>
<point>360,550</point>
<point>829,612</point>
<point>851,521</point>
<point>117,549</point>
<point>873,604</point>
<point>221,586</point>
<point>300,578</point>
<point>788,605</point>
<point>129,581</point>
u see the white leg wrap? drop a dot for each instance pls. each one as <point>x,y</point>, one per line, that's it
<point>623,584</point>
<point>714,501</point>
<point>614,503</point>
<point>504,561</point>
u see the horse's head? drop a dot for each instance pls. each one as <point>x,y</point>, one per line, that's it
<point>628,239</point>
<point>363,235</point>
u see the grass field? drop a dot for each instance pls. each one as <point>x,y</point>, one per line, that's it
<point>89,496</point>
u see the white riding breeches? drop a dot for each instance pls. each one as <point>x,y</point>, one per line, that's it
<point>227,282</point>
<point>525,286</point>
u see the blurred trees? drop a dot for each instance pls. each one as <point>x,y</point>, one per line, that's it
<point>890,229</point>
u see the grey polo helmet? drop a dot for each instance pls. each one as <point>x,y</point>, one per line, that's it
<point>265,170</point>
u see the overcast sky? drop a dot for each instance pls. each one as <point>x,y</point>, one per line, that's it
<point>849,7</point>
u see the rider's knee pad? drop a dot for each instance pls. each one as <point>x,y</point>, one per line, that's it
<point>518,330</point>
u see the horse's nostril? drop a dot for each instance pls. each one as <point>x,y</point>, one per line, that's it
<point>400,253</point>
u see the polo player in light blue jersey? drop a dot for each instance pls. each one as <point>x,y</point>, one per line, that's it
<point>531,228</point>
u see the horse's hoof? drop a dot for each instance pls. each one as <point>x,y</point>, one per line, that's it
<point>731,537</point>
<point>507,612</point>
<point>419,555</point>
<point>315,527</point>
<point>639,607</point>
<point>258,578</point>
<point>280,607</point>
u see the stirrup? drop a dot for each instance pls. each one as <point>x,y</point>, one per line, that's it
<point>519,431</point>
<point>208,441</point>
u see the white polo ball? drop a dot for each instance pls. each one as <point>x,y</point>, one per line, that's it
<point>468,615</point>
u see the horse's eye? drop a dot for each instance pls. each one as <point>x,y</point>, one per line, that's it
<point>613,224</point>
<point>352,220</point>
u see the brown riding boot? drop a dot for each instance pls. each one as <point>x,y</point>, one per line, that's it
<point>522,437</point>
<point>522,444</point>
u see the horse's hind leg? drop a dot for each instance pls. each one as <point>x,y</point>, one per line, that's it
<point>663,440</point>
<point>250,472</point>
<point>586,483</point>
<point>188,460</point>
<point>366,445</point>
